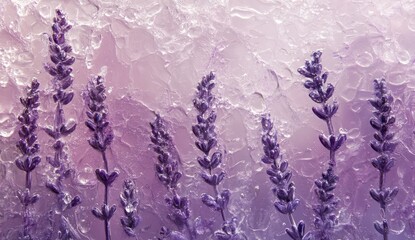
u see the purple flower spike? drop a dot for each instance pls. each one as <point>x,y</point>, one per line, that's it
<point>100,140</point>
<point>384,145</point>
<point>29,149</point>
<point>60,67</point>
<point>61,72</point>
<point>280,176</point>
<point>206,141</point>
<point>167,171</point>
<point>321,92</point>
<point>130,204</point>
<point>167,168</point>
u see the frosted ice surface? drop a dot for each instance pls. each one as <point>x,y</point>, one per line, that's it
<point>153,53</point>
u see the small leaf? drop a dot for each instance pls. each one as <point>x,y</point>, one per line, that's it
<point>319,113</point>
<point>68,98</point>
<point>97,213</point>
<point>215,160</point>
<point>324,141</point>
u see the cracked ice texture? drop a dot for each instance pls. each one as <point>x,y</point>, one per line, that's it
<point>153,53</point>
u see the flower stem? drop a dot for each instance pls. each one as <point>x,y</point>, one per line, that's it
<point>28,180</point>
<point>106,222</point>
<point>292,220</point>
<point>216,191</point>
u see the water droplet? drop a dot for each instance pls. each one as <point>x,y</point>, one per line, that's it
<point>364,59</point>
<point>44,11</point>
<point>88,60</point>
<point>411,23</point>
<point>403,56</point>
<point>96,40</point>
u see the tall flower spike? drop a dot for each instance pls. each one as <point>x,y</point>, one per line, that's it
<point>60,69</point>
<point>206,141</point>
<point>29,149</point>
<point>100,140</point>
<point>384,145</point>
<point>129,203</point>
<point>280,176</point>
<point>167,171</point>
<point>320,93</point>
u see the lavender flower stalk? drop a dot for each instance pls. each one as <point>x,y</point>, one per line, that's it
<point>320,93</point>
<point>129,203</point>
<point>60,70</point>
<point>29,148</point>
<point>204,130</point>
<point>279,175</point>
<point>167,170</point>
<point>384,145</point>
<point>101,139</point>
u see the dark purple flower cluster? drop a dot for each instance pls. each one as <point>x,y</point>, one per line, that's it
<point>384,145</point>
<point>280,176</point>
<point>205,133</point>
<point>167,170</point>
<point>101,139</point>
<point>320,92</point>
<point>97,115</point>
<point>60,70</point>
<point>29,149</point>
<point>129,203</point>
<point>204,130</point>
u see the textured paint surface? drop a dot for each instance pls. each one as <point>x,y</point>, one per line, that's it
<point>152,55</point>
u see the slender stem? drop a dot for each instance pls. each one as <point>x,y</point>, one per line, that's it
<point>28,180</point>
<point>26,221</point>
<point>383,206</point>
<point>381,179</point>
<point>106,222</point>
<point>26,207</point>
<point>292,220</point>
<point>104,157</point>
<point>215,189</point>
<point>330,126</point>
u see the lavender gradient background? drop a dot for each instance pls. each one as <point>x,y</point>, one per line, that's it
<point>153,53</point>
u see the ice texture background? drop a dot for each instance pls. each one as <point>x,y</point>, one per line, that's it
<point>153,53</point>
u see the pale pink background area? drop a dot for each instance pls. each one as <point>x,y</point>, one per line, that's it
<point>153,53</point>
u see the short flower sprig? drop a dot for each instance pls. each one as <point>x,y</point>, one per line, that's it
<point>60,69</point>
<point>129,203</point>
<point>384,145</point>
<point>29,149</point>
<point>280,176</point>
<point>100,140</point>
<point>320,93</point>
<point>167,171</point>
<point>206,140</point>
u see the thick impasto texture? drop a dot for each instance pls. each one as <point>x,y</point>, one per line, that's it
<point>153,54</point>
